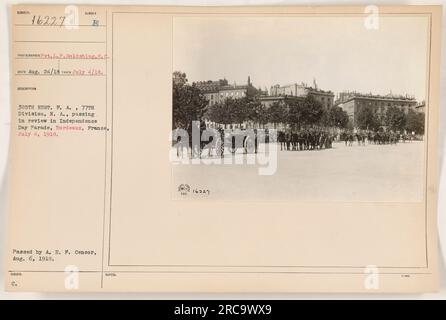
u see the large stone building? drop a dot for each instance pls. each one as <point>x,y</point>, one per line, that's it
<point>326,98</point>
<point>220,90</point>
<point>353,102</point>
<point>267,101</point>
<point>296,90</point>
<point>301,90</point>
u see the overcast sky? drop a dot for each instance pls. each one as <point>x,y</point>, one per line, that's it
<point>339,52</point>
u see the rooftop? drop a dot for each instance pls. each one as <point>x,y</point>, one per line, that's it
<point>347,96</point>
<point>219,85</point>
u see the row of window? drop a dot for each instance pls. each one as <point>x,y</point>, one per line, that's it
<point>383,109</point>
<point>382,104</point>
<point>228,94</point>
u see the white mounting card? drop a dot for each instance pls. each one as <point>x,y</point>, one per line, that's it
<point>224,149</point>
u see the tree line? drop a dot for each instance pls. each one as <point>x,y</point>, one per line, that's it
<point>189,104</point>
<point>296,113</point>
<point>394,119</point>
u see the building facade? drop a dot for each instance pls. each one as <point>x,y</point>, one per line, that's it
<point>295,90</point>
<point>326,98</point>
<point>220,90</point>
<point>353,102</point>
<point>268,101</point>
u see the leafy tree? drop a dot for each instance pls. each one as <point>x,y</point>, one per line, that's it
<point>415,122</point>
<point>306,112</point>
<point>252,92</point>
<point>179,78</point>
<point>395,119</point>
<point>277,113</point>
<point>219,113</point>
<point>232,111</point>
<point>313,111</point>
<point>257,112</point>
<point>336,117</point>
<point>237,109</point>
<point>309,112</point>
<point>294,114</point>
<point>188,104</point>
<point>367,119</point>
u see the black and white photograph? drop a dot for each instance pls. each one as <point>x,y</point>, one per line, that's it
<point>294,107</point>
<point>268,151</point>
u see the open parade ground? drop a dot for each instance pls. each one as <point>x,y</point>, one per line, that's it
<point>387,173</point>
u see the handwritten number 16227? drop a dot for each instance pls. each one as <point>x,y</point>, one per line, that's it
<point>48,20</point>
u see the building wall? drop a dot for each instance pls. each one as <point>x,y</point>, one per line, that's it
<point>380,106</point>
<point>232,93</point>
<point>349,107</point>
<point>211,97</point>
<point>267,101</point>
<point>222,95</point>
<point>289,90</point>
<point>325,98</point>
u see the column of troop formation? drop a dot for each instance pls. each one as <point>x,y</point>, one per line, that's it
<point>316,139</point>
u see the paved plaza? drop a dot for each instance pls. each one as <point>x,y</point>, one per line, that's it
<point>389,173</point>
